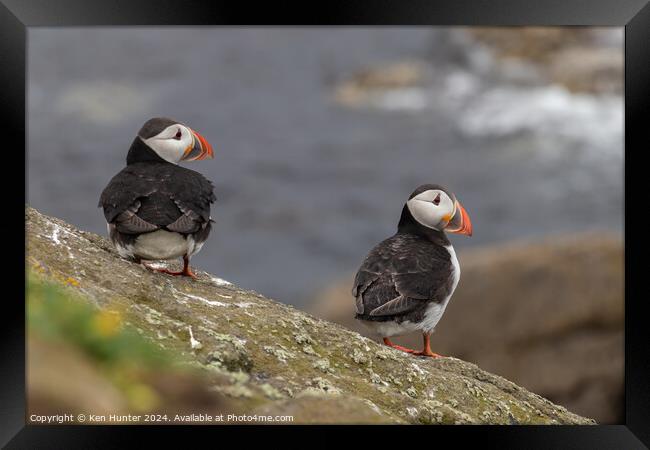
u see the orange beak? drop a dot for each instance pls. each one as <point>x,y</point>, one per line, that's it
<point>460,223</point>
<point>200,149</point>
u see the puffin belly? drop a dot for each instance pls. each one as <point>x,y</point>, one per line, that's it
<point>160,244</point>
<point>390,327</point>
<point>434,311</point>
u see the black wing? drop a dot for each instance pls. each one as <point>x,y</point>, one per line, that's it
<point>148,196</point>
<point>400,275</point>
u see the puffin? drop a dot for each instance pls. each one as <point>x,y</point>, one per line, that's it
<point>406,281</point>
<point>154,208</point>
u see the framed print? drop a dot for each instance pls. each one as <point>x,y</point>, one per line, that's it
<point>242,218</point>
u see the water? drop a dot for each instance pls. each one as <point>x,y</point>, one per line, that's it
<point>305,185</point>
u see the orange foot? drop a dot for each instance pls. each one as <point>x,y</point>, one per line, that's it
<point>397,347</point>
<point>428,353</point>
<point>187,272</point>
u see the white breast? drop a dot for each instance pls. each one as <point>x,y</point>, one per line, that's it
<point>161,244</point>
<point>431,316</point>
<point>435,311</point>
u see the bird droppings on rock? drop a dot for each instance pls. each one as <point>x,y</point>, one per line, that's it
<point>246,305</point>
<point>220,282</point>
<point>55,235</point>
<point>194,344</point>
<point>209,302</point>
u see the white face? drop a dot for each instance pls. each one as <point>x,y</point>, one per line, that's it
<point>432,208</point>
<point>172,143</point>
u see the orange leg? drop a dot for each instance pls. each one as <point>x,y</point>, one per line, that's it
<point>185,272</point>
<point>426,351</point>
<point>397,347</point>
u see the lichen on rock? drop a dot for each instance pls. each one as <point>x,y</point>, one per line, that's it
<point>268,357</point>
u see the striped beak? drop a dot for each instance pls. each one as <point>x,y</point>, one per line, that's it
<point>200,149</point>
<point>460,223</point>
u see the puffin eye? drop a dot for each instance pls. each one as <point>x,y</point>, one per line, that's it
<point>436,201</point>
<point>178,135</point>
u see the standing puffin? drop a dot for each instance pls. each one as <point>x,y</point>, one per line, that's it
<point>406,281</point>
<point>155,209</point>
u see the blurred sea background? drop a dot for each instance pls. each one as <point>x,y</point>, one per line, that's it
<point>320,134</point>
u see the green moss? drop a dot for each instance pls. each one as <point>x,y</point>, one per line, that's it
<point>54,312</point>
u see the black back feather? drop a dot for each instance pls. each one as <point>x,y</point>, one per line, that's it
<point>400,276</point>
<point>160,195</point>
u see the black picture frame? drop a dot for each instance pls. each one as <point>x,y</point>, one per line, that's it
<point>17,15</point>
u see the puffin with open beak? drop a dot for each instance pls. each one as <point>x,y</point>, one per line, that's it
<point>407,280</point>
<point>155,209</point>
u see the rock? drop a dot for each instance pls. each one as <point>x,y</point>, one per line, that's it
<point>546,314</point>
<point>368,85</point>
<point>312,408</point>
<point>580,59</point>
<point>584,61</point>
<point>86,360</point>
<point>85,390</point>
<point>256,346</point>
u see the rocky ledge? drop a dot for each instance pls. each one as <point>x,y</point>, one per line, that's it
<point>268,358</point>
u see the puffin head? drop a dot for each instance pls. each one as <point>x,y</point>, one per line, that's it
<point>435,207</point>
<point>174,141</point>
